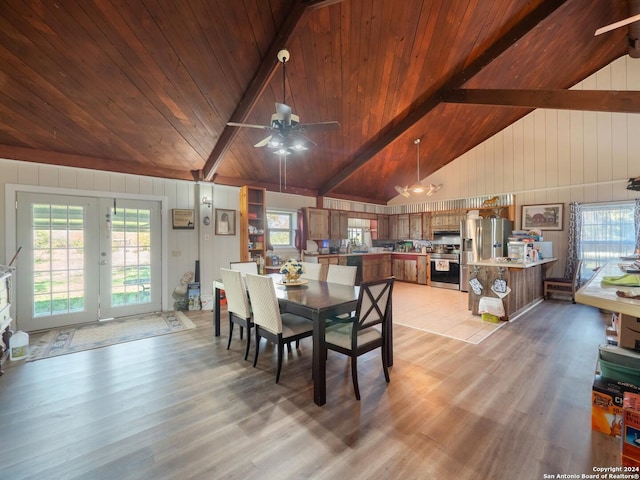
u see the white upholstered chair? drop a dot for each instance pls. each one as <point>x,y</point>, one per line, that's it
<point>312,271</point>
<point>279,328</point>
<point>238,305</point>
<point>343,274</point>
<point>367,329</point>
<point>244,267</point>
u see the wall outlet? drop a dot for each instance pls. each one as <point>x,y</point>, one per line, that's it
<point>176,253</point>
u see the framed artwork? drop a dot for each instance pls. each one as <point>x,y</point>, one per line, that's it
<point>225,222</point>
<point>183,219</point>
<point>544,217</point>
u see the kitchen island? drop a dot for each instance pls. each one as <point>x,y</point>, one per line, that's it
<point>524,281</point>
<point>404,266</point>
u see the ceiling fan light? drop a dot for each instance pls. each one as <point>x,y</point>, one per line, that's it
<point>283,151</point>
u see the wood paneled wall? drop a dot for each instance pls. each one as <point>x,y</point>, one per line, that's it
<point>555,156</point>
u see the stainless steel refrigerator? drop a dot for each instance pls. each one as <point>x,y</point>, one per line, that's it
<point>482,239</point>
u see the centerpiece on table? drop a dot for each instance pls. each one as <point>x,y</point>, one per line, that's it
<point>291,270</point>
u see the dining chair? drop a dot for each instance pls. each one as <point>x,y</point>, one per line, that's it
<point>566,286</point>
<point>367,329</point>
<point>238,305</point>
<point>312,271</point>
<point>244,267</point>
<point>343,274</point>
<point>279,328</point>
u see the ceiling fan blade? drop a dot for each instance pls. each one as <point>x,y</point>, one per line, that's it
<point>249,125</point>
<point>331,125</point>
<point>284,113</point>
<point>613,26</point>
<point>264,142</point>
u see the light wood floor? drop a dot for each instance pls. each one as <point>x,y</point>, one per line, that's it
<point>516,406</point>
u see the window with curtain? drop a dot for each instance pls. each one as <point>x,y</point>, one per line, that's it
<point>608,232</point>
<point>281,225</point>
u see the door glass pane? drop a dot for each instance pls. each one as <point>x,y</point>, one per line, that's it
<point>130,256</point>
<point>58,259</point>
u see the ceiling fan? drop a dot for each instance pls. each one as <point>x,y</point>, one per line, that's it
<point>286,126</point>
<point>417,187</point>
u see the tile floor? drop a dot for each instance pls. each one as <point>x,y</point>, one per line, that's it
<point>440,311</point>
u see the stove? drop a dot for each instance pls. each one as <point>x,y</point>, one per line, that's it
<point>445,270</point>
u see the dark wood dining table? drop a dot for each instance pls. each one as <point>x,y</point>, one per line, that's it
<point>317,301</point>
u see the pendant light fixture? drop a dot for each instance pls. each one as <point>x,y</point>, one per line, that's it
<point>417,187</point>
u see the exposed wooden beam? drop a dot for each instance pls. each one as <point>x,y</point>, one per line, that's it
<point>294,21</point>
<point>397,126</point>
<point>623,101</point>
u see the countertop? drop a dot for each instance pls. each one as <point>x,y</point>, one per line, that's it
<point>493,263</point>
<point>595,294</point>
<point>364,254</point>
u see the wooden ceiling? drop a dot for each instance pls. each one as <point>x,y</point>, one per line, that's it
<point>147,86</point>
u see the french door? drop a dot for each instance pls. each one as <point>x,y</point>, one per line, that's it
<point>84,259</point>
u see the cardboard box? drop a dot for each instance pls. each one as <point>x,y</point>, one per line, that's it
<point>629,332</point>
<point>606,406</point>
<point>631,426</point>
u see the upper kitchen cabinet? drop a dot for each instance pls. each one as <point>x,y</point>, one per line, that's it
<point>427,233</point>
<point>415,226</point>
<point>382,228</point>
<point>339,224</point>
<point>318,223</point>
<point>403,227</point>
<point>447,221</point>
<point>393,226</point>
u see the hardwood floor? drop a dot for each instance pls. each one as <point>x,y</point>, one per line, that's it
<point>516,406</point>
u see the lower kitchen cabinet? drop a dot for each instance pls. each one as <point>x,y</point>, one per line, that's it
<point>375,267</point>
<point>411,268</point>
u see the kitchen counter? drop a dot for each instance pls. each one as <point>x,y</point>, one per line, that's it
<point>604,297</point>
<point>493,263</point>
<point>523,279</point>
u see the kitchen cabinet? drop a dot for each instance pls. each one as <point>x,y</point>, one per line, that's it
<point>403,227</point>
<point>383,227</point>
<point>427,233</point>
<point>339,224</point>
<point>318,223</point>
<point>325,261</point>
<point>447,221</point>
<point>393,227</point>
<point>411,268</point>
<point>415,226</point>
<point>375,267</point>
<point>253,218</point>
<point>424,269</point>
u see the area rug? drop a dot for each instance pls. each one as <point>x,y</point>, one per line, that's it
<point>62,341</point>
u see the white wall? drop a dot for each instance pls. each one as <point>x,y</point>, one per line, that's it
<point>554,156</point>
<point>183,247</point>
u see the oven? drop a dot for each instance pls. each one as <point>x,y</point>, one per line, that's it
<point>445,270</point>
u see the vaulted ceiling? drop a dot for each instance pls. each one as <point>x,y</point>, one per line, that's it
<point>148,86</point>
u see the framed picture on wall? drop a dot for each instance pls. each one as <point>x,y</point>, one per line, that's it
<point>183,219</point>
<point>225,222</point>
<point>543,217</point>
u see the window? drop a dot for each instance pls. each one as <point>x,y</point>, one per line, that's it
<point>356,235</point>
<point>282,228</point>
<point>608,232</point>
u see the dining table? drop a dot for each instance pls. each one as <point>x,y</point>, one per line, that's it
<point>318,301</point>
